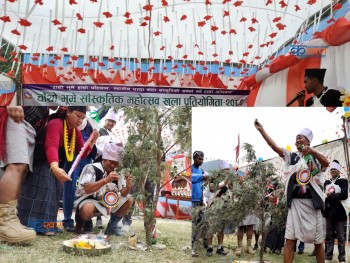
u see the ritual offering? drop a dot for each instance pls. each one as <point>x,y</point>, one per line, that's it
<point>90,247</point>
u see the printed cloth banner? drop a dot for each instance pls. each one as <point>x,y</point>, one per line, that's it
<point>71,95</point>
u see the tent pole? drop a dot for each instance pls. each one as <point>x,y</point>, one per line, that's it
<point>346,152</point>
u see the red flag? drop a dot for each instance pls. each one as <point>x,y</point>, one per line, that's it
<point>237,149</point>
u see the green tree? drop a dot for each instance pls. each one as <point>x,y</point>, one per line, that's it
<point>249,195</point>
<point>6,64</point>
<point>147,147</point>
<point>6,53</point>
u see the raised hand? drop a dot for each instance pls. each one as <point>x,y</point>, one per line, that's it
<point>258,125</point>
<point>16,113</point>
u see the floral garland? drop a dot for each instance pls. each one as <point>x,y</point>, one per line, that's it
<point>345,98</point>
<point>69,149</point>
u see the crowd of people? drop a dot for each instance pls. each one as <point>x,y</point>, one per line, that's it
<point>315,207</point>
<point>37,149</point>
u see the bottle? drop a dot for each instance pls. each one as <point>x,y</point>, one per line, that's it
<point>100,235</point>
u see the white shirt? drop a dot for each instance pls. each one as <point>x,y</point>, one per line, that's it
<point>88,175</point>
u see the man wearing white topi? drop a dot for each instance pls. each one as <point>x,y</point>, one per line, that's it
<point>305,198</point>
<point>102,191</point>
<point>336,189</point>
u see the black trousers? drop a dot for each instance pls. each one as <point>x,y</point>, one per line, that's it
<point>333,226</point>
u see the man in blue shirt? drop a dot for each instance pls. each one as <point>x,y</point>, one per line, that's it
<point>197,194</point>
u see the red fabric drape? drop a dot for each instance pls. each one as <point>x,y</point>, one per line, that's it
<point>283,62</point>
<point>50,74</point>
<point>252,95</point>
<point>117,79</point>
<point>31,74</point>
<point>160,79</point>
<point>216,81</point>
<point>336,34</point>
<point>5,99</point>
<point>201,80</point>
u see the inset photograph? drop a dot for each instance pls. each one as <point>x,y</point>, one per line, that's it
<point>270,184</point>
<point>107,182</point>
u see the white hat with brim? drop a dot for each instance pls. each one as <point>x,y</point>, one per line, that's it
<point>335,165</point>
<point>112,152</point>
<point>307,133</point>
<point>223,165</point>
<point>111,115</point>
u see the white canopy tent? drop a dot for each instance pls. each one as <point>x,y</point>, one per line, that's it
<point>209,30</point>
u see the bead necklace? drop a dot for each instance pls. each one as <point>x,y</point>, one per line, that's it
<point>68,148</point>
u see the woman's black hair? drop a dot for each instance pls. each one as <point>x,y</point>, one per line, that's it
<point>62,112</point>
<point>59,114</point>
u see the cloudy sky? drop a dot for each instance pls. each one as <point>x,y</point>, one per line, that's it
<point>215,130</point>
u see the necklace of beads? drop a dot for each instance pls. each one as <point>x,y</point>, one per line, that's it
<point>68,147</point>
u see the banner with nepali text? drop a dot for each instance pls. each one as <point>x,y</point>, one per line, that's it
<point>72,95</point>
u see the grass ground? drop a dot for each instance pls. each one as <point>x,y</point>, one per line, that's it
<point>230,244</point>
<point>174,234</point>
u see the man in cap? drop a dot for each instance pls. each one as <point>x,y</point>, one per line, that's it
<point>305,198</point>
<point>197,194</point>
<point>336,189</point>
<point>322,96</point>
<point>110,122</point>
<point>106,136</point>
<point>99,183</point>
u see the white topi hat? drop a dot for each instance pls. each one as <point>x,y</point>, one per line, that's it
<point>335,165</point>
<point>112,152</point>
<point>223,165</point>
<point>111,115</point>
<point>307,133</point>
